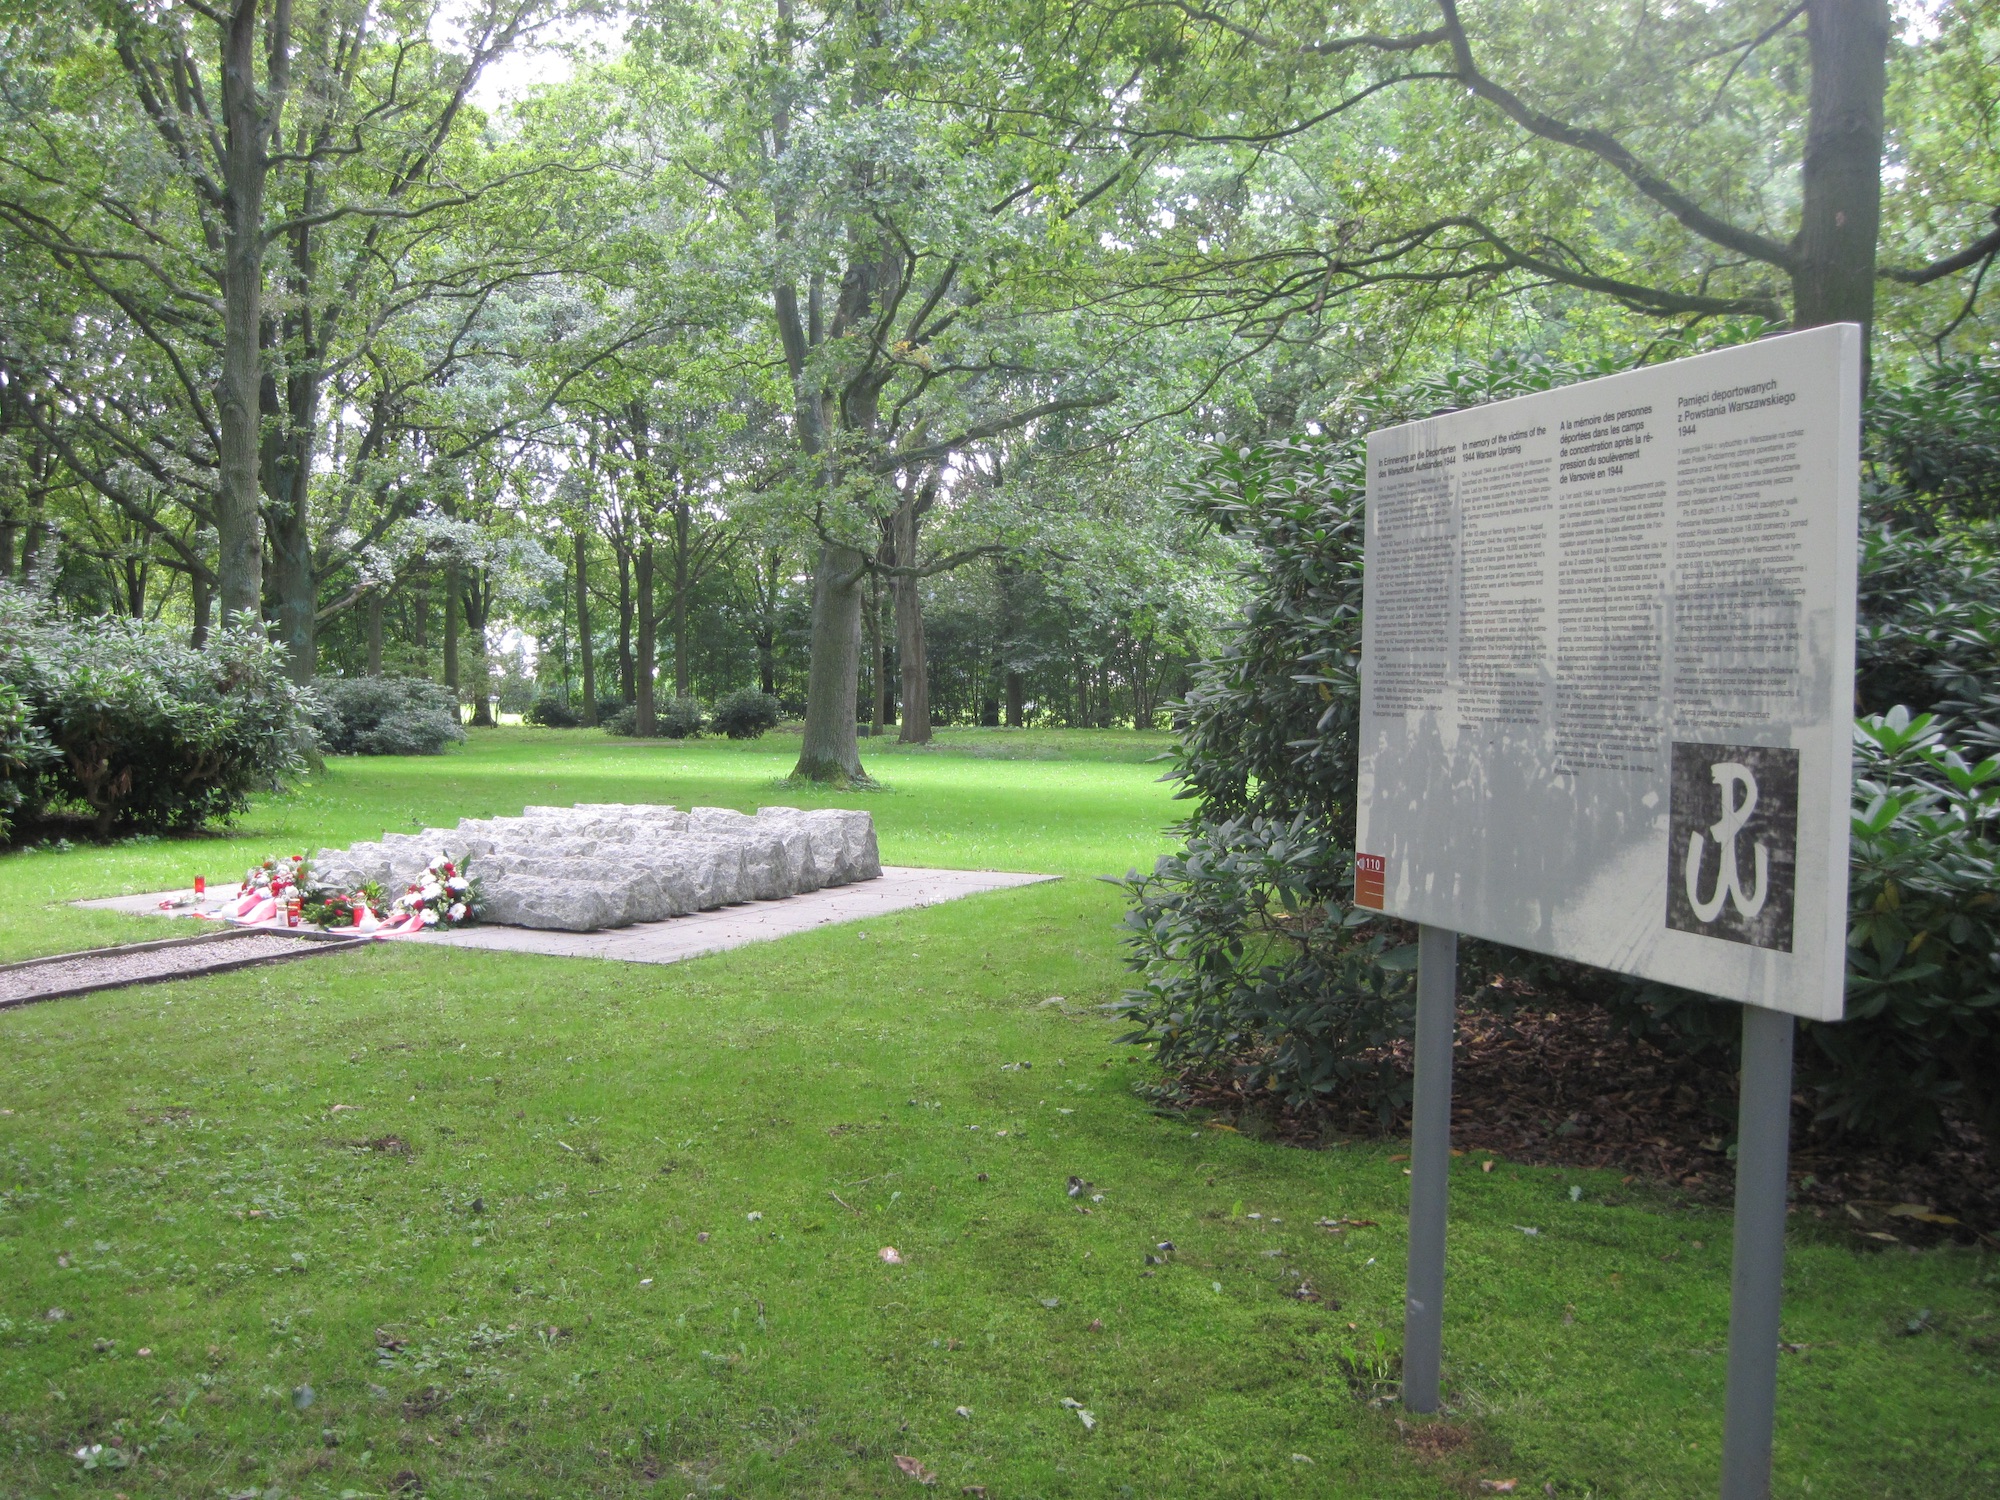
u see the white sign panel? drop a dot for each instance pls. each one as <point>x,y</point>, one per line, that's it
<point>1607,670</point>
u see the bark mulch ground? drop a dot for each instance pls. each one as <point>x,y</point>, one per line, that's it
<point>1572,1089</point>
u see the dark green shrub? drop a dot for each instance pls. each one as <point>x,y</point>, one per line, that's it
<point>386,716</point>
<point>142,730</point>
<point>745,714</point>
<point>677,719</point>
<point>1934,444</point>
<point>608,709</point>
<point>552,711</point>
<point>680,719</point>
<point>25,753</point>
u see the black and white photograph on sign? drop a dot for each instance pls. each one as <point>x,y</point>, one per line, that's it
<point>1732,858</point>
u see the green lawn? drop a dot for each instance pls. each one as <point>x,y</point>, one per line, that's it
<point>599,1229</point>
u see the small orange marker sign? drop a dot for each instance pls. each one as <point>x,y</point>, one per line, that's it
<point>1371,874</point>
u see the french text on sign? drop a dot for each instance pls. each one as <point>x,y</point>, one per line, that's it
<point>1607,670</point>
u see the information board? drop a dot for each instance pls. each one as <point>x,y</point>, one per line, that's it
<point>1607,670</point>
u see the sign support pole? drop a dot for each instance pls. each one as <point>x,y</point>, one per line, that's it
<point>1430,1167</point>
<point>1763,1141</point>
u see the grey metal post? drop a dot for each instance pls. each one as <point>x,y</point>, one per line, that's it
<point>1763,1144</point>
<point>1430,1167</point>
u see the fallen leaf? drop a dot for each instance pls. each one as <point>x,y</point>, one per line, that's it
<point>1077,1187</point>
<point>1486,1166</point>
<point>1052,1302</point>
<point>1083,1415</point>
<point>340,1107</point>
<point>914,1469</point>
<point>963,1411</point>
<point>1499,1486</point>
<point>977,1490</point>
<point>1404,1157</point>
<point>889,1256</point>
<point>1096,1326</point>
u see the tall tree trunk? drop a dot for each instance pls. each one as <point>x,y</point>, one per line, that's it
<point>375,606</point>
<point>294,590</point>
<point>451,630</point>
<point>248,116</point>
<point>583,629</point>
<point>767,621</point>
<point>9,527</point>
<point>830,750</point>
<point>628,689</point>
<point>204,604</point>
<point>912,652</point>
<point>871,622</point>
<point>647,662</point>
<point>1840,177</point>
<point>683,677</point>
<point>477,607</point>
<point>1012,689</point>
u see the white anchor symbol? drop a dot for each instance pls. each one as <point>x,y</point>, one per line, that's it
<point>1731,777</point>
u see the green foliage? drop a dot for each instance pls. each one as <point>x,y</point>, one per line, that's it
<point>680,719</point>
<point>623,722</point>
<point>1936,436</point>
<point>745,714</point>
<point>24,754</point>
<point>386,716</point>
<point>142,730</point>
<point>553,711</point>
<point>1923,976</point>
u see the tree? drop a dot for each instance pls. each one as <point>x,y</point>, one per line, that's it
<point>269,199</point>
<point>1682,163</point>
<point>886,236</point>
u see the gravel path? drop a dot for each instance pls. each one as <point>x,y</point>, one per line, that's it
<point>108,970</point>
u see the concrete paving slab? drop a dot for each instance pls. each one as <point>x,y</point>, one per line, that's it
<point>900,888</point>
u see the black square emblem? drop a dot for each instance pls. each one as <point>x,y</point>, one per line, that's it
<point>1732,854</point>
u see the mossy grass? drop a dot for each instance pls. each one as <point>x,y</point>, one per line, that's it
<point>501,1224</point>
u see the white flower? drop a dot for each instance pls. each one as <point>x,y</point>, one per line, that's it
<point>458,912</point>
<point>456,885</point>
<point>432,890</point>
<point>430,919</point>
